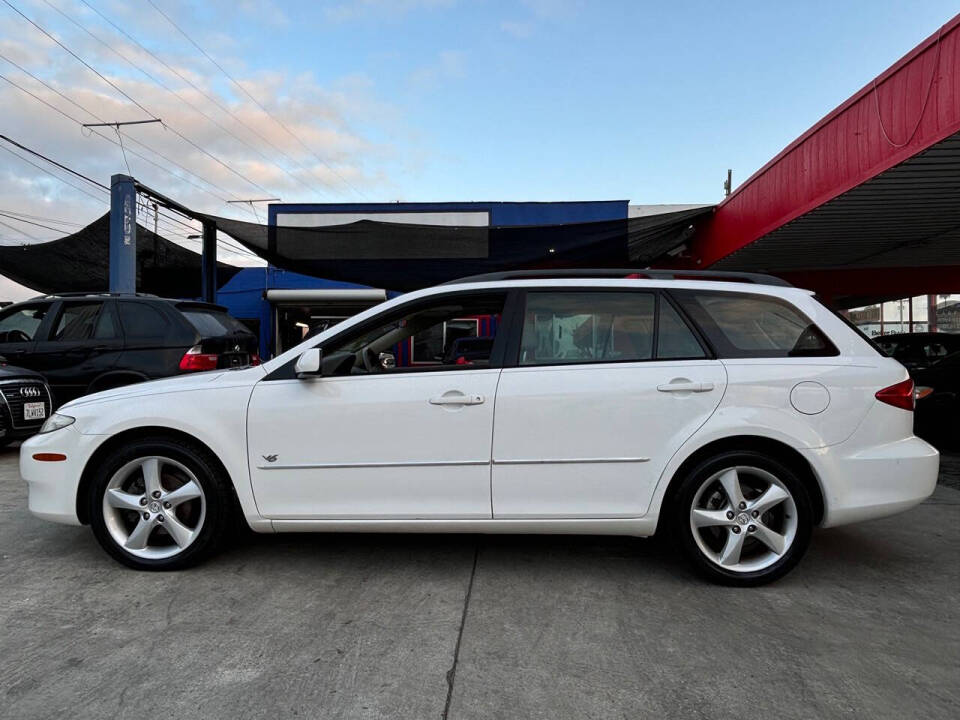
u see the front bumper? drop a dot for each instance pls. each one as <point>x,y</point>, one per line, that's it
<point>875,481</point>
<point>53,485</point>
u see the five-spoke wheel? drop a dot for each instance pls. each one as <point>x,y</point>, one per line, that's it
<point>743,518</point>
<point>159,504</point>
<point>154,507</point>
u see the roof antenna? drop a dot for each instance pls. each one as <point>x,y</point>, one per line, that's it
<point>728,183</point>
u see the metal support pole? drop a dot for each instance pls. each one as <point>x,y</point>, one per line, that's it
<point>209,261</point>
<point>123,235</point>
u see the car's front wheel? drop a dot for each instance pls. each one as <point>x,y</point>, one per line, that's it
<point>157,504</point>
<point>743,518</point>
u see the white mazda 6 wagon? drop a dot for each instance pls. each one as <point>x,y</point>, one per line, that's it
<point>734,413</point>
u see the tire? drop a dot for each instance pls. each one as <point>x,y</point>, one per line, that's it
<point>182,521</point>
<point>743,550</point>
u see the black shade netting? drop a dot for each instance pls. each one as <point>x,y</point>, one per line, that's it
<point>80,263</point>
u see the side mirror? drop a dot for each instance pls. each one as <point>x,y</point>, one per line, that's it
<point>387,361</point>
<point>309,363</point>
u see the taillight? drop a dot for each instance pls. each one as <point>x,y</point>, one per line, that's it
<point>195,359</point>
<point>899,395</point>
<point>254,359</point>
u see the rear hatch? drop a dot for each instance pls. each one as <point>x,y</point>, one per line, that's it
<point>225,342</point>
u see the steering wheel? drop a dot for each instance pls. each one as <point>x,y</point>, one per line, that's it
<point>17,336</point>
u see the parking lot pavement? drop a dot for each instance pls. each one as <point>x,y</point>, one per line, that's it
<point>525,627</point>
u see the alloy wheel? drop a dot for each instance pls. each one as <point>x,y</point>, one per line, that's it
<point>154,507</point>
<point>743,519</point>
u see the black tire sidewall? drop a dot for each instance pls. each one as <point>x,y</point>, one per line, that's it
<point>207,474</point>
<point>688,488</point>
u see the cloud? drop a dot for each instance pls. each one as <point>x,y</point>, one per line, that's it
<point>554,9</point>
<point>321,141</point>
<point>450,64</point>
<point>358,9</point>
<point>263,11</point>
<point>542,11</point>
<point>520,30</point>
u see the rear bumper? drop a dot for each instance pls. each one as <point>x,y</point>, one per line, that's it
<point>876,481</point>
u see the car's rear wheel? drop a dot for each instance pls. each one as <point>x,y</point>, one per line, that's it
<point>157,504</point>
<point>743,518</point>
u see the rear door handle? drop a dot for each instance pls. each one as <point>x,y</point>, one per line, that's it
<point>456,398</point>
<point>686,387</point>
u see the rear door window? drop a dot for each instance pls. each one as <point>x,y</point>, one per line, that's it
<point>587,327</point>
<point>77,322</point>
<point>742,325</point>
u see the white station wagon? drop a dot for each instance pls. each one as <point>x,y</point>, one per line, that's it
<point>735,414</point>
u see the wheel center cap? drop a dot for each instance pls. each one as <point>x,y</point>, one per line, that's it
<point>743,519</point>
<point>154,507</point>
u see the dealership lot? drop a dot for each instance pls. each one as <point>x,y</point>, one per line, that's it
<point>554,627</point>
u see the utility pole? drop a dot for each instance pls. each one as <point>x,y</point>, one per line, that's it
<point>123,219</point>
<point>123,234</point>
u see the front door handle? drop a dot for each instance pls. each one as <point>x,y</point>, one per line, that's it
<point>686,386</point>
<point>456,398</point>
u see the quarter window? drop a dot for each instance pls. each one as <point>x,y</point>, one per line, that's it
<point>140,321</point>
<point>741,325</point>
<point>587,327</point>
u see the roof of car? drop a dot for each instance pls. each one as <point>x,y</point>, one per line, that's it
<point>625,274</point>
<point>178,302</point>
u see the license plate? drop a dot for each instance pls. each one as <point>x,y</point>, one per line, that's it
<point>34,411</point>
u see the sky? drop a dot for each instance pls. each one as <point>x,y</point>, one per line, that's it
<point>420,100</point>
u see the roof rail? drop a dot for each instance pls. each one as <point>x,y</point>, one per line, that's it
<point>718,275</point>
<point>92,293</point>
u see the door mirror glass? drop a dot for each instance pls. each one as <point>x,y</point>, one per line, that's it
<point>309,362</point>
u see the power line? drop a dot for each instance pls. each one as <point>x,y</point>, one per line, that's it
<point>78,58</point>
<point>255,101</point>
<point>31,222</point>
<point>152,115</point>
<point>107,138</point>
<point>18,230</point>
<point>41,217</point>
<point>177,95</point>
<point>199,89</point>
<point>169,219</point>
<point>53,162</point>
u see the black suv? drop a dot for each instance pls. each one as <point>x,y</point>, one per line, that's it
<point>83,343</point>
<point>25,402</point>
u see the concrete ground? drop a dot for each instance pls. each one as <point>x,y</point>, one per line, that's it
<point>478,627</point>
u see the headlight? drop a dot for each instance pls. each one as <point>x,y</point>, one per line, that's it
<point>56,422</point>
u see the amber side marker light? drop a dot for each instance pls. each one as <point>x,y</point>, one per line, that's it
<point>49,457</point>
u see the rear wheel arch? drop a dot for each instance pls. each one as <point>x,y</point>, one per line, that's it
<point>781,451</point>
<point>141,433</point>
